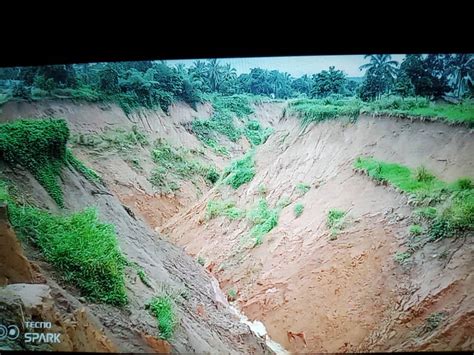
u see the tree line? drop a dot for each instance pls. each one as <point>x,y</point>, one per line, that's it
<point>154,83</point>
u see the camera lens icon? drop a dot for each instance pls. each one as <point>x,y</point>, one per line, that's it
<point>12,332</point>
<point>3,332</point>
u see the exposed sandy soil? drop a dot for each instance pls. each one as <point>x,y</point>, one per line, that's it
<point>346,294</point>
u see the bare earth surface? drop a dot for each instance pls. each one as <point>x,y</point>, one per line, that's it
<point>346,294</point>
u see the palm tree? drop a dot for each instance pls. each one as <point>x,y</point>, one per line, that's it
<point>228,73</point>
<point>461,69</point>
<point>381,63</point>
<point>383,67</point>
<point>214,73</point>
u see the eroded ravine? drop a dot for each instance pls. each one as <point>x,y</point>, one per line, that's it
<point>346,294</point>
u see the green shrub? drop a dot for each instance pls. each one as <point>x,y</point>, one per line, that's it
<point>38,146</point>
<point>263,220</point>
<point>335,221</point>
<point>463,184</point>
<point>223,208</point>
<point>255,133</point>
<point>83,249</point>
<point>240,171</point>
<point>422,175</point>
<point>416,229</point>
<point>212,175</point>
<point>163,309</point>
<point>298,209</point>
<point>143,277</point>
<point>452,217</point>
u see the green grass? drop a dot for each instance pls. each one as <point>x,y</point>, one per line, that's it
<point>217,208</point>
<point>335,222</point>
<point>298,209</point>
<point>453,213</point>
<point>415,229</point>
<point>162,308</point>
<point>303,188</point>
<point>419,107</point>
<point>317,110</point>
<point>83,249</point>
<point>263,220</point>
<point>175,165</point>
<point>240,171</point>
<point>419,183</point>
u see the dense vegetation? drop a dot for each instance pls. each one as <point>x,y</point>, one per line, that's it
<point>82,248</point>
<point>316,110</point>
<point>40,147</point>
<point>223,122</point>
<point>153,84</point>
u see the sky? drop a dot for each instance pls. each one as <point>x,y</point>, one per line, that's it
<point>297,66</point>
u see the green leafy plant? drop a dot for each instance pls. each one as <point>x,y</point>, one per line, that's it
<point>201,261</point>
<point>82,248</point>
<point>415,229</point>
<point>335,221</point>
<point>263,220</point>
<point>298,209</point>
<point>40,147</point>
<point>240,171</point>
<point>217,208</point>
<point>162,308</point>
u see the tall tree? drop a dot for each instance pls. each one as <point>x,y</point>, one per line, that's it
<point>382,68</point>
<point>214,73</point>
<point>461,70</point>
<point>328,82</point>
